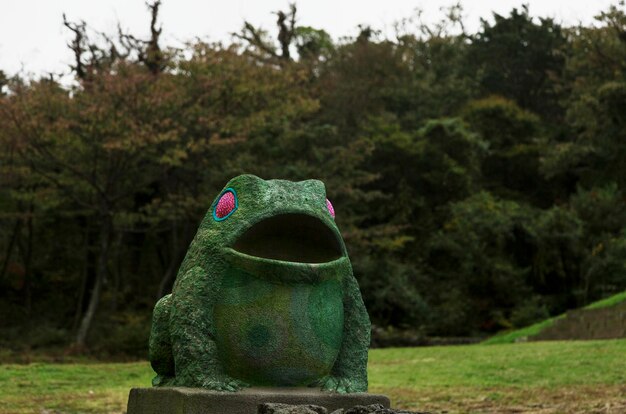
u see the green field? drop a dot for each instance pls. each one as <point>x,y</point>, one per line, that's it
<point>541,377</point>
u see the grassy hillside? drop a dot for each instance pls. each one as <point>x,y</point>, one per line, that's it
<point>563,377</point>
<point>521,334</point>
<point>610,301</point>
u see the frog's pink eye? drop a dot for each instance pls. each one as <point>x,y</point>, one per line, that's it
<point>226,205</point>
<point>330,208</point>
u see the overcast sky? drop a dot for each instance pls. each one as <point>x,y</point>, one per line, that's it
<point>33,39</point>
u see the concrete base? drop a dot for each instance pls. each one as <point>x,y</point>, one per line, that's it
<point>178,400</point>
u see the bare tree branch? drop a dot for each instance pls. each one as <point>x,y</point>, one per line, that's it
<point>286,31</point>
<point>77,45</point>
<point>286,34</point>
<point>254,37</point>
<point>153,54</point>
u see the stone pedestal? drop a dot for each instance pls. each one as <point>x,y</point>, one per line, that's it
<point>178,400</point>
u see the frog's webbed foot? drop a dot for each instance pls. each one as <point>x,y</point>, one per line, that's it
<point>210,382</point>
<point>336,384</point>
<point>163,381</point>
<point>224,383</point>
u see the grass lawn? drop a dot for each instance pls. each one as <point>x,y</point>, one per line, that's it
<point>540,377</point>
<point>535,377</point>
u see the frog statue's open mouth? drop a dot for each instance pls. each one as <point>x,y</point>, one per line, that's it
<point>298,238</point>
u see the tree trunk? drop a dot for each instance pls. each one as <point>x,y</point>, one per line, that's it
<point>27,254</point>
<point>88,271</point>
<point>117,271</point>
<point>170,272</point>
<point>179,249</point>
<point>7,257</point>
<point>103,256</point>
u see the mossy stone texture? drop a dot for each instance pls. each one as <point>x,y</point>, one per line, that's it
<point>265,296</point>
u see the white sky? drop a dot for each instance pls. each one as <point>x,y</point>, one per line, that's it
<point>33,39</point>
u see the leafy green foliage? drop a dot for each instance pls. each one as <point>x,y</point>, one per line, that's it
<point>476,255</point>
<point>478,178</point>
<point>512,166</point>
<point>313,43</point>
<point>520,60</point>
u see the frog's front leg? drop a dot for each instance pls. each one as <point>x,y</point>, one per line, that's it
<point>349,374</point>
<point>160,349</point>
<point>192,332</point>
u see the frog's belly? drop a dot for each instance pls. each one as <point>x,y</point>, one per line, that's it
<point>280,335</point>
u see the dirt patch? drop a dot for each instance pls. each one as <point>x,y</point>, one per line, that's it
<point>600,399</point>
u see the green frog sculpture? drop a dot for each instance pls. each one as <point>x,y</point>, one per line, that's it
<point>265,296</point>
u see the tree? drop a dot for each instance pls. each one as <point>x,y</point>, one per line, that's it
<point>521,60</point>
<point>477,264</point>
<point>97,159</point>
<point>516,143</point>
<point>263,47</point>
<point>593,154</point>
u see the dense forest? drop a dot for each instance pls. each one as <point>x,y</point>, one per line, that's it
<point>478,178</point>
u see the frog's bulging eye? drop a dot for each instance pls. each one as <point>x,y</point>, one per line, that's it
<point>226,205</point>
<point>330,208</point>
